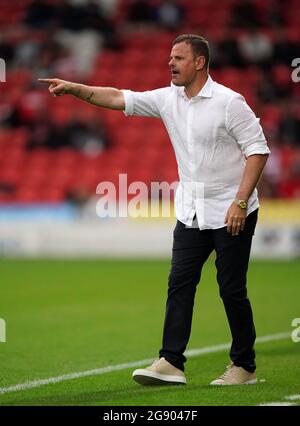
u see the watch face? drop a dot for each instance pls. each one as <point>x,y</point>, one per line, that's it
<point>243,204</point>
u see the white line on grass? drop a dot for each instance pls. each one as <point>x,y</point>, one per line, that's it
<point>276,404</point>
<point>292,397</point>
<point>279,404</point>
<point>111,368</point>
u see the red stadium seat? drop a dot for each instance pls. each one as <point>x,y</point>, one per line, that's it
<point>138,146</point>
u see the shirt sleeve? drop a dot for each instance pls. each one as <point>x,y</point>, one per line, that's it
<point>145,104</point>
<point>244,126</point>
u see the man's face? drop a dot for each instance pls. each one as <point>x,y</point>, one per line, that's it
<point>184,64</point>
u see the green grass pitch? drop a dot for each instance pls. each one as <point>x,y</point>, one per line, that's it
<point>71,316</point>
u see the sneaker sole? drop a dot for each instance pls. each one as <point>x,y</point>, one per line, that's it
<point>150,378</point>
<point>249,382</point>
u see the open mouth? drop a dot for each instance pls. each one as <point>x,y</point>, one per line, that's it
<point>174,73</point>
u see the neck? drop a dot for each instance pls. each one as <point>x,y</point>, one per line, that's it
<point>195,86</point>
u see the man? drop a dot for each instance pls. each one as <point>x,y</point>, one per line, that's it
<point>221,152</point>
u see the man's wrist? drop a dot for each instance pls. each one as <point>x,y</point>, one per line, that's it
<point>81,91</point>
<point>241,202</point>
<point>74,89</point>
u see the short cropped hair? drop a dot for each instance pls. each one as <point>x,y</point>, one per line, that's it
<point>199,45</point>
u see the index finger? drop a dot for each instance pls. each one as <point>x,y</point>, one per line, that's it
<point>47,80</point>
<point>229,225</point>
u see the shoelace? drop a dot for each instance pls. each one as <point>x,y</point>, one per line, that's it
<point>228,371</point>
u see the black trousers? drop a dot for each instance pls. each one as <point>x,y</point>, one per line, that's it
<point>191,248</point>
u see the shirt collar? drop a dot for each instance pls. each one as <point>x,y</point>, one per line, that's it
<point>205,92</point>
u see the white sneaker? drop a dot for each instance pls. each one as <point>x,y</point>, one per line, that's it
<point>161,372</point>
<point>235,376</point>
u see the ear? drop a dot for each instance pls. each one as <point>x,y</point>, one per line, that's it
<point>200,63</point>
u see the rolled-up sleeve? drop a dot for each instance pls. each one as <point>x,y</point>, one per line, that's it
<point>128,98</point>
<point>145,104</point>
<point>244,126</point>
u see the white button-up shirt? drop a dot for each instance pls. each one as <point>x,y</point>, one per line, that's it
<point>212,135</point>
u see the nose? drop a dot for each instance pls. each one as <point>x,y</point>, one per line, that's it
<point>170,62</point>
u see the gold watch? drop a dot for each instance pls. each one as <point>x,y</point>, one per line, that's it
<point>241,203</point>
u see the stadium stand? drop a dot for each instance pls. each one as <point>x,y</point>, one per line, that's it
<point>126,50</point>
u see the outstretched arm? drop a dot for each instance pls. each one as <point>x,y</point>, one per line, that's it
<point>106,97</point>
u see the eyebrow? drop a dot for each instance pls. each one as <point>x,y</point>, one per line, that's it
<point>177,57</point>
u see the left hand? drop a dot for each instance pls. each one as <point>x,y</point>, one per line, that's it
<point>235,219</point>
